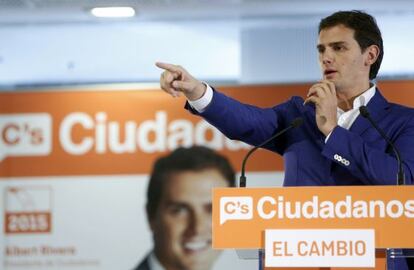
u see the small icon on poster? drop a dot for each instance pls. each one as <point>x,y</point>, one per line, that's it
<point>28,209</point>
<point>25,134</point>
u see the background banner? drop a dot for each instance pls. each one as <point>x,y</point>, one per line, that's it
<point>74,168</point>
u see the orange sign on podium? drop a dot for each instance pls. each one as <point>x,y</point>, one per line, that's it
<point>242,215</point>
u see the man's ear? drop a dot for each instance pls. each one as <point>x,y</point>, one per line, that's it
<point>372,53</point>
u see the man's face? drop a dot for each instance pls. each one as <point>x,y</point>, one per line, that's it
<point>182,225</point>
<point>341,59</point>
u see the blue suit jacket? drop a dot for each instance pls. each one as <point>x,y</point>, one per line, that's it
<point>358,156</point>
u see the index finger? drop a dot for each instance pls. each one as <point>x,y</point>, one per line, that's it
<point>169,67</point>
<point>316,89</point>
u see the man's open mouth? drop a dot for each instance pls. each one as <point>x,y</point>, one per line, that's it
<point>329,71</point>
<point>197,245</point>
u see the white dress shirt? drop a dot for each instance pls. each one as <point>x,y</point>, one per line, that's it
<point>154,263</point>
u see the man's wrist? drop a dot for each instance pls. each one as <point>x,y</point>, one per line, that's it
<point>198,92</point>
<point>201,104</point>
<point>328,134</point>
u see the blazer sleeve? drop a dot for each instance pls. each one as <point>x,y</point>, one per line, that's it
<point>244,122</point>
<point>370,164</point>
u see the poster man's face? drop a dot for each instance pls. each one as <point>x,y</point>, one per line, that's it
<point>182,225</point>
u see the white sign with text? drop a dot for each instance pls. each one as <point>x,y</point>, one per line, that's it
<point>320,248</point>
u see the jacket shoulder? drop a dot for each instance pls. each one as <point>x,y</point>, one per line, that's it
<point>143,265</point>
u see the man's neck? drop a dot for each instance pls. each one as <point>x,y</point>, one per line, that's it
<point>346,97</point>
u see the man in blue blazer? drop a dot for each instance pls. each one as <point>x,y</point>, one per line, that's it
<point>335,145</point>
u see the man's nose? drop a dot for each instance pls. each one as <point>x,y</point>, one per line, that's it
<point>327,57</point>
<point>199,223</point>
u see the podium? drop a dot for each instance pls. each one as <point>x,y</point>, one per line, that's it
<point>335,228</point>
<point>253,254</point>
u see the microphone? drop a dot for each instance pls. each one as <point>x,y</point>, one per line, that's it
<point>400,175</point>
<point>294,124</point>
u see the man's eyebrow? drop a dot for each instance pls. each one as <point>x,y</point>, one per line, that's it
<point>174,202</point>
<point>336,43</point>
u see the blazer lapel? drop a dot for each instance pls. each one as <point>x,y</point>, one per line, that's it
<point>377,108</point>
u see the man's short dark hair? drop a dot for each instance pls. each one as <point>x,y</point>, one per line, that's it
<point>196,158</point>
<point>367,32</point>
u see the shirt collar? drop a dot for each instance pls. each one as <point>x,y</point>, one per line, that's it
<point>363,99</point>
<point>154,263</point>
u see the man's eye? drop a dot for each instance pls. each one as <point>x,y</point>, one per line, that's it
<point>338,48</point>
<point>178,209</point>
